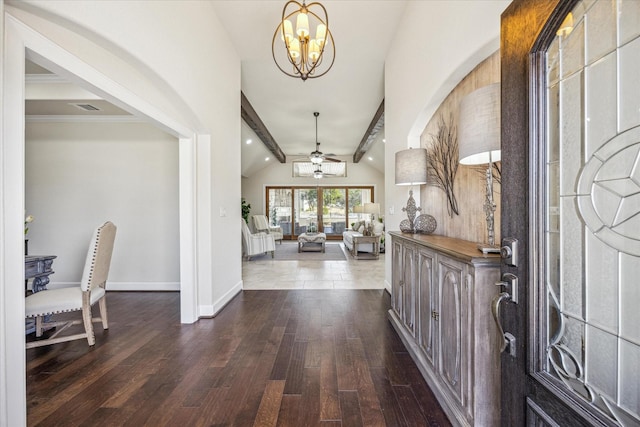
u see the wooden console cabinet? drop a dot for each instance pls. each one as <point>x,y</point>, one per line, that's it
<point>442,290</point>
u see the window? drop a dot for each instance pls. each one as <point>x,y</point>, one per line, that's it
<point>298,209</point>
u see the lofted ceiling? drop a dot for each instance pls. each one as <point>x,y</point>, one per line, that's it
<point>347,97</point>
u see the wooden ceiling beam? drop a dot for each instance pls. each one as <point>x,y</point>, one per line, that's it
<point>252,119</point>
<point>377,123</point>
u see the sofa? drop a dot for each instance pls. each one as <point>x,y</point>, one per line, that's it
<point>357,230</point>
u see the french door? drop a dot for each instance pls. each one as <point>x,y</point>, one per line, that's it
<point>323,209</point>
<point>571,202</point>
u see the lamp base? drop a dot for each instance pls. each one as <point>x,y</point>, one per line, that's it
<point>488,249</point>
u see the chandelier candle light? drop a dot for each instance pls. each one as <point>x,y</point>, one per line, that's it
<point>479,142</point>
<point>304,54</point>
<point>411,169</point>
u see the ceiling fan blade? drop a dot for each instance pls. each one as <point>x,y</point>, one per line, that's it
<point>330,159</point>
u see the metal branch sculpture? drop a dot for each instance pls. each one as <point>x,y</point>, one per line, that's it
<point>442,158</point>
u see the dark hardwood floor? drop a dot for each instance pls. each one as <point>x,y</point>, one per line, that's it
<point>270,358</point>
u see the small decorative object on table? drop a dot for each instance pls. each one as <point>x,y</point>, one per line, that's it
<point>425,224</point>
<point>406,226</point>
<point>368,230</point>
<point>27,220</point>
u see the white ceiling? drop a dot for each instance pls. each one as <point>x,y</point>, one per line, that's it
<point>347,97</point>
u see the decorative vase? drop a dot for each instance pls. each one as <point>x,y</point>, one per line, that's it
<point>425,224</point>
<point>406,226</point>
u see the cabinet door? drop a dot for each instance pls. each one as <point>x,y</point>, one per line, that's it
<point>426,308</point>
<point>451,274</point>
<point>396,277</point>
<point>409,278</point>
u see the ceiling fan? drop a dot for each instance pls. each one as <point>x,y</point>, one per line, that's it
<point>317,157</point>
<point>318,173</point>
<point>306,169</point>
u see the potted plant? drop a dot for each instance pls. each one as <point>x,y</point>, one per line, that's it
<point>246,209</point>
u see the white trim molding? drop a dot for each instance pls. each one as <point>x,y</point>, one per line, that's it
<point>84,119</point>
<point>217,306</point>
<point>126,286</point>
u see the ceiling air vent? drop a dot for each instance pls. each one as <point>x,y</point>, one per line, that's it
<point>85,107</point>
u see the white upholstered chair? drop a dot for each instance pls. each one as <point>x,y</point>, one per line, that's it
<point>256,243</point>
<point>91,290</point>
<point>261,223</point>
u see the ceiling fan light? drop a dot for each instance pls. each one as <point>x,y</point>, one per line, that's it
<point>317,174</point>
<point>302,25</point>
<point>316,159</point>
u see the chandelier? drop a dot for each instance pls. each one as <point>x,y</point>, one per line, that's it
<point>305,55</point>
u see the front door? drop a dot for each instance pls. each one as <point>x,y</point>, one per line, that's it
<point>571,201</point>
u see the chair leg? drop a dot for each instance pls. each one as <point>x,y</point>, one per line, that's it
<point>88,324</point>
<point>103,312</point>
<point>39,329</point>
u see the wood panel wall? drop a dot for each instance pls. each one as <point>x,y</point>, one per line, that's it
<point>470,182</point>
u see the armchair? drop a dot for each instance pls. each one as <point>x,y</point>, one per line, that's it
<point>261,223</point>
<point>256,243</point>
<point>91,291</point>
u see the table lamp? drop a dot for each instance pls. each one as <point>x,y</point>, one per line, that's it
<point>479,143</point>
<point>373,209</point>
<point>411,169</point>
<point>358,210</point>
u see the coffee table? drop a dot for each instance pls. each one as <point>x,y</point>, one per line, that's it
<point>308,242</point>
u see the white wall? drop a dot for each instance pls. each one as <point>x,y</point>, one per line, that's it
<point>192,44</point>
<point>253,188</point>
<point>80,174</point>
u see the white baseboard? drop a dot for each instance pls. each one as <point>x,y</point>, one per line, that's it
<point>387,286</point>
<point>125,286</point>
<point>217,306</point>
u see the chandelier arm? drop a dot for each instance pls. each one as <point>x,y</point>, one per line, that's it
<point>298,72</point>
<point>324,21</point>
<point>273,54</point>
<point>333,59</point>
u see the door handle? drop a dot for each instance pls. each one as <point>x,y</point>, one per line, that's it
<point>495,310</point>
<point>510,283</point>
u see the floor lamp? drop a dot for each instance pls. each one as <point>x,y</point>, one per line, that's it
<point>411,169</point>
<point>479,144</point>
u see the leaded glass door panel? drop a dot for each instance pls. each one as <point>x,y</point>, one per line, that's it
<point>577,357</point>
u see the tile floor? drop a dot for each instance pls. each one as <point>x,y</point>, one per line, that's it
<point>348,274</point>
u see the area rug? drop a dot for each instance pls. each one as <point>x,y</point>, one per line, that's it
<point>288,251</point>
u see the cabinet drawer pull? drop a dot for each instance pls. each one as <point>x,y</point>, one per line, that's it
<point>435,315</point>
